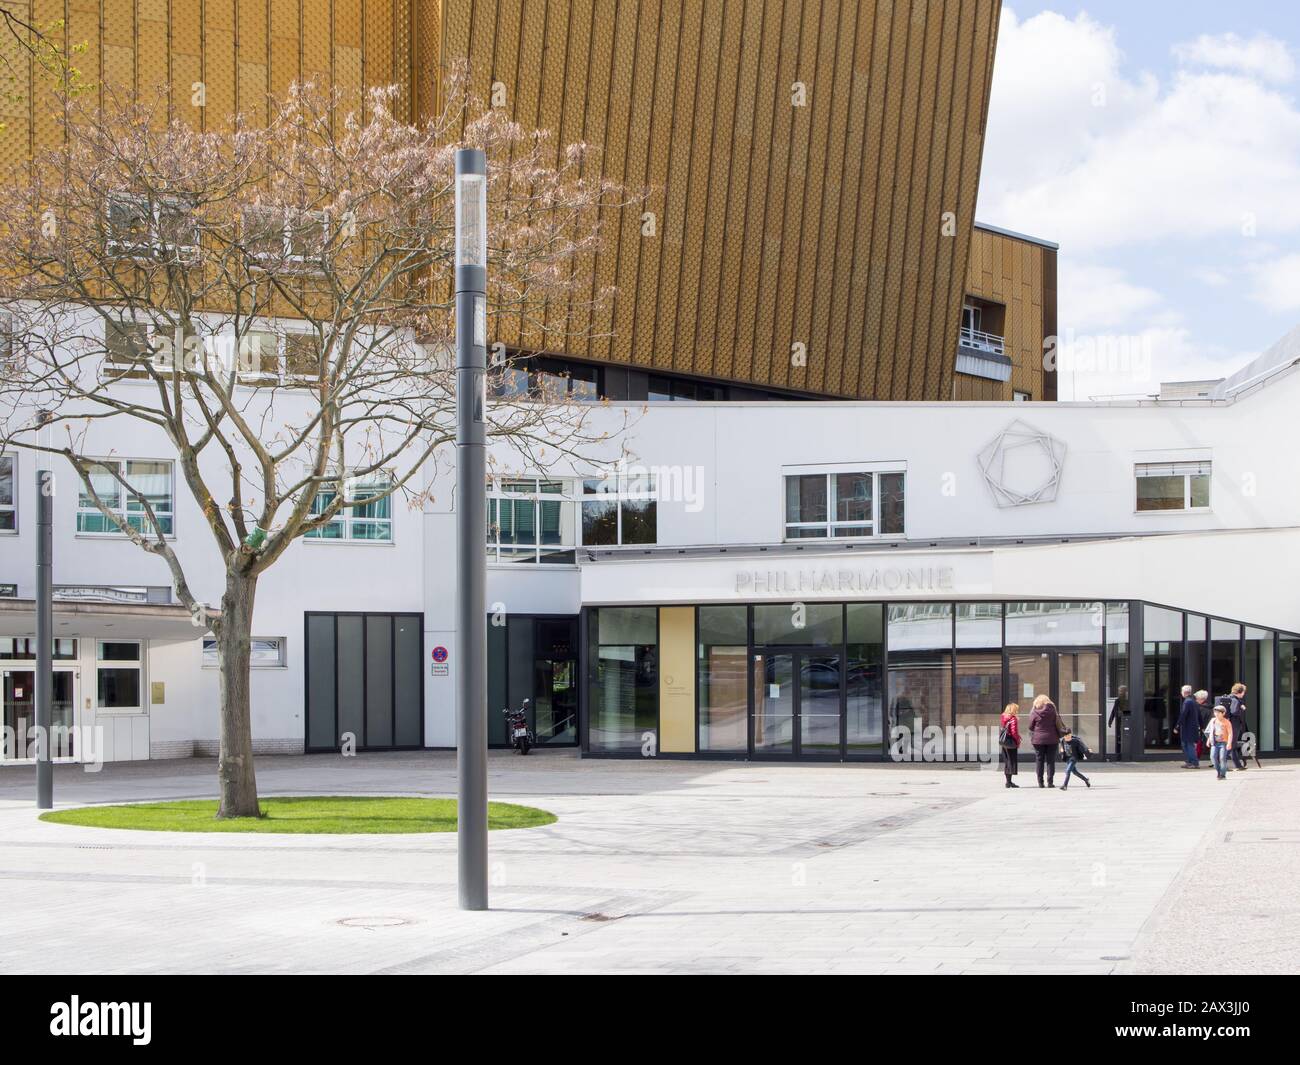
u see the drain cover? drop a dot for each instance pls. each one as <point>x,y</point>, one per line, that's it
<point>373,922</point>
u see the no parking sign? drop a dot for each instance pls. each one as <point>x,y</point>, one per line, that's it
<point>440,667</point>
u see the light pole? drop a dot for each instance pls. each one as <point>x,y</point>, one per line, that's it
<point>471,527</point>
<point>44,693</point>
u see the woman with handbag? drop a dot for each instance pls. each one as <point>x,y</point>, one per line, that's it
<point>1045,732</point>
<point>1009,741</point>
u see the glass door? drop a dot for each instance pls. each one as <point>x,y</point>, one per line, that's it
<point>1070,677</point>
<point>774,703</point>
<point>1078,695</point>
<point>819,705</point>
<point>797,704</point>
<point>19,695</point>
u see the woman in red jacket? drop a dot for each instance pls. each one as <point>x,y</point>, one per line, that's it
<point>1011,749</point>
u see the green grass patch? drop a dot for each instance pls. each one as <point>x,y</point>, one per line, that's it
<point>313,814</point>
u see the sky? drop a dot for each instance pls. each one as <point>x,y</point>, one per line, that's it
<point>1158,143</point>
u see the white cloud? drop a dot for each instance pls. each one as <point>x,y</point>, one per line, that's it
<point>1135,364</point>
<point>1277,283</point>
<point>1080,153</point>
<point>1154,189</point>
<point>1092,297</point>
<point>1262,56</point>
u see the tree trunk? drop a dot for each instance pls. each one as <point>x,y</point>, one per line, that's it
<point>235,770</point>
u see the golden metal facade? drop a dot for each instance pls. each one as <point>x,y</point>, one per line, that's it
<point>811,165</point>
<point>1021,275</point>
<point>802,157</point>
<point>216,56</point>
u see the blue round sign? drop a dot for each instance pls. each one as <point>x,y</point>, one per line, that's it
<point>440,654</point>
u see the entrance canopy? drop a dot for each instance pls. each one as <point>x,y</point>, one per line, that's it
<point>154,621</point>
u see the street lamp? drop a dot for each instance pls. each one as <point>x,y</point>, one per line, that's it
<point>471,527</point>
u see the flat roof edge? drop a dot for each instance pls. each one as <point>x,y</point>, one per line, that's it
<point>1017,236</point>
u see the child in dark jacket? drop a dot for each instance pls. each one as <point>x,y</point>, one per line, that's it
<point>1074,751</point>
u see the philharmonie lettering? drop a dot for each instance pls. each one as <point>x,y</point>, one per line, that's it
<point>834,580</point>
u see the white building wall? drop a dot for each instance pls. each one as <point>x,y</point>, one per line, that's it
<point>740,452</point>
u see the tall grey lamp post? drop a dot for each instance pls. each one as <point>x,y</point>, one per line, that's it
<point>471,527</point>
<point>44,693</point>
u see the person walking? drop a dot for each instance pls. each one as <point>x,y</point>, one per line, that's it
<point>1189,728</point>
<point>1045,731</point>
<point>1234,708</point>
<point>1218,735</point>
<point>1009,741</point>
<point>1074,751</point>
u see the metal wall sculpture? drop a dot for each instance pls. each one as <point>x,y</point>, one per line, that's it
<point>1022,465</point>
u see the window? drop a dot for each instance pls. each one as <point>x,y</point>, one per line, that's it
<point>1173,486</point>
<point>1021,397</point>
<point>8,493</point>
<point>278,238</point>
<point>619,509</point>
<point>11,350</point>
<point>268,359</point>
<point>265,652</point>
<point>146,480</point>
<point>140,228</point>
<point>117,675</point>
<point>363,517</point>
<point>843,504</point>
<point>530,519</point>
<point>11,647</point>
<point>126,350</point>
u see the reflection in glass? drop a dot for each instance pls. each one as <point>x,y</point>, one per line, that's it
<point>864,678</point>
<point>798,624</point>
<point>819,704</point>
<point>920,671</point>
<point>723,679</point>
<point>625,677</point>
<point>1117,700</point>
<point>1258,676</point>
<point>1055,624</point>
<point>774,703</point>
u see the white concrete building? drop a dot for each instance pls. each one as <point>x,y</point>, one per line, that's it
<point>760,580</point>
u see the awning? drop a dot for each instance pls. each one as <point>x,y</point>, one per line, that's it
<point>154,621</point>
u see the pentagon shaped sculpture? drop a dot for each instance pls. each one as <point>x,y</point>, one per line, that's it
<point>1022,465</point>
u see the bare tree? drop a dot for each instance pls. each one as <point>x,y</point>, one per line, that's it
<point>274,301</point>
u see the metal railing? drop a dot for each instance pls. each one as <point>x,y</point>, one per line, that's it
<point>973,338</point>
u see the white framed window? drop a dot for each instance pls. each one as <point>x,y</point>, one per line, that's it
<point>846,503</point>
<point>11,350</point>
<point>140,228</point>
<point>1021,397</point>
<point>1172,486</point>
<point>118,676</point>
<point>264,652</point>
<point>8,493</point>
<point>530,519</point>
<point>148,479</point>
<point>131,348</point>
<point>620,509</point>
<point>277,238</point>
<point>363,518</point>
<point>280,359</point>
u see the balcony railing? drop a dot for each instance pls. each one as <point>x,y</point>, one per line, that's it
<point>989,342</point>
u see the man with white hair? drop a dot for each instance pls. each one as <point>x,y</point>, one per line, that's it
<point>1189,728</point>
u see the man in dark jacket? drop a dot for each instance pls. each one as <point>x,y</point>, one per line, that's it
<point>1189,728</point>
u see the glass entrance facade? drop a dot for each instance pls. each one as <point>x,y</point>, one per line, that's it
<point>906,680</point>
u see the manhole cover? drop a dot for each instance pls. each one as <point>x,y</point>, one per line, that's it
<point>374,922</point>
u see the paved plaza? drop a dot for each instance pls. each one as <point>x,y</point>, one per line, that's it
<point>673,867</point>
